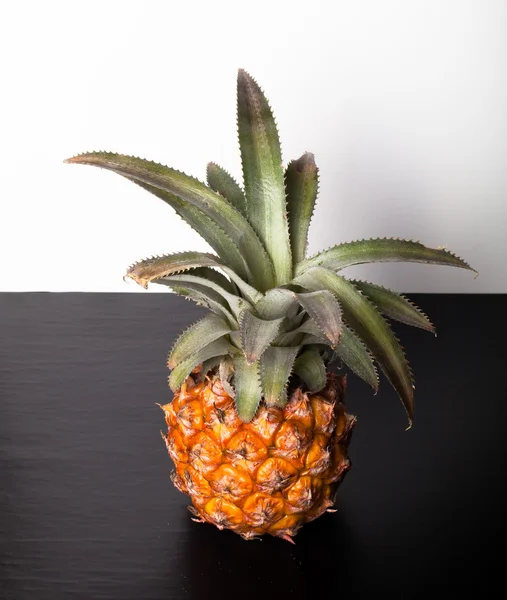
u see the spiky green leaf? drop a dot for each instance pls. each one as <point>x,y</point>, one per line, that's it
<point>394,305</point>
<point>276,368</point>
<point>325,310</point>
<point>235,337</point>
<point>226,374</point>
<point>228,252</point>
<point>256,334</point>
<point>277,303</point>
<point>263,174</point>
<point>214,276</point>
<point>356,356</point>
<point>211,363</point>
<point>380,250</point>
<point>149,269</point>
<point>305,333</point>
<point>247,388</point>
<point>236,304</point>
<point>199,195</point>
<point>157,267</point>
<point>315,340</point>
<point>301,186</point>
<point>200,334</point>
<point>289,338</point>
<point>219,180</point>
<point>202,296</point>
<point>296,336</point>
<point>310,367</point>
<point>183,369</point>
<point>311,327</point>
<point>295,321</point>
<point>370,326</point>
<point>248,292</point>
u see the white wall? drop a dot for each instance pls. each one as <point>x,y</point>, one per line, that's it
<point>402,102</point>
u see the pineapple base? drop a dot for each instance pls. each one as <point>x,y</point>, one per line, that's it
<point>271,475</point>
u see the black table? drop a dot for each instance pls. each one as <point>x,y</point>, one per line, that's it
<point>87,509</point>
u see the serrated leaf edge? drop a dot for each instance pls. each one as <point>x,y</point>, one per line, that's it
<point>432,328</point>
<point>302,267</point>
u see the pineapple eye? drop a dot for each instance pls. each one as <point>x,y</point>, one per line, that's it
<point>275,474</point>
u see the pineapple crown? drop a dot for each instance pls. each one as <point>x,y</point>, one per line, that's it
<point>275,313</point>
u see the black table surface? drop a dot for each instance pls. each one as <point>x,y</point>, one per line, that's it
<point>87,509</point>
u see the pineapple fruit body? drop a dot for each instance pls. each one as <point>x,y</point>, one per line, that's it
<point>271,475</point>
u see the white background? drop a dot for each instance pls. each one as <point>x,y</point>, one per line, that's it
<point>402,102</point>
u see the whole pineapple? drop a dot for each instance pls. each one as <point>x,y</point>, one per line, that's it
<point>257,428</point>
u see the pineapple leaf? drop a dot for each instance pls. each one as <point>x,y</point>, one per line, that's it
<point>370,326</point>
<point>210,364</point>
<point>357,357</point>
<point>256,334</point>
<point>394,305</point>
<point>199,195</point>
<point>247,388</point>
<point>250,293</point>
<point>289,338</point>
<point>307,333</point>
<point>202,296</point>
<point>145,271</point>
<point>261,158</point>
<point>214,276</point>
<point>276,368</point>
<point>276,303</point>
<point>314,340</point>
<point>226,372</point>
<point>149,269</point>
<point>183,369</point>
<point>214,235</point>
<point>380,250</point>
<point>301,186</point>
<point>235,338</point>
<point>224,184</point>
<point>200,334</point>
<point>325,311</point>
<point>292,323</point>
<point>311,327</point>
<point>297,337</point>
<point>207,285</point>
<point>310,367</point>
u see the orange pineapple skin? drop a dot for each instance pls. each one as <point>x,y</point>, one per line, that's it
<point>271,475</point>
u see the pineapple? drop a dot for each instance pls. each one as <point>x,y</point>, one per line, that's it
<point>257,428</point>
